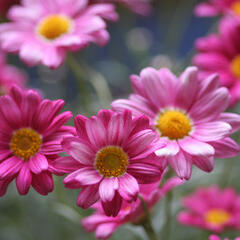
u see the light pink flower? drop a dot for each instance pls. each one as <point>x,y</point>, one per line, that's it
<point>142,7</point>
<point>212,208</point>
<point>31,132</point>
<point>9,76</point>
<point>215,237</point>
<point>43,33</point>
<point>212,8</point>
<point>112,155</point>
<point>220,53</point>
<point>134,213</point>
<point>188,116</point>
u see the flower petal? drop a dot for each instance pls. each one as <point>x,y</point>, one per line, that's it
<point>43,183</point>
<point>107,189</point>
<point>38,163</point>
<point>10,166</point>
<point>24,180</point>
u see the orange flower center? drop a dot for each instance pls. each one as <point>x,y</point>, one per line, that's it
<point>235,66</point>
<point>25,143</point>
<point>173,124</point>
<point>54,26</point>
<point>236,7</point>
<point>111,161</point>
<point>217,217</point>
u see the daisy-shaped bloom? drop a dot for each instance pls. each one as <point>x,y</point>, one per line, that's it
<point>9,76</point>
<point>212,8</point>
<point>43,33</point>
<point>187,115</point>
<point>31,132</point>
<point>6,4</point>
<point>220,53</point>
<point>112,155</point>
<point>142,7</point>
<point>212,208</point>
<point>133,213</point>
<point>215,237</point>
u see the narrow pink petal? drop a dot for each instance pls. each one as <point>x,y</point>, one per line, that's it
<point>88,196</point>
<point>38,163</point>
<point>4,185</point>
<point>206,10</point>
<point>24,180</point>
<point>51,147</point>
<point>10,166</point>
<point>128,187</point>
<point>139,123</point>
<point>232,119</point>
<point>105,116</point>
<point>80,122</point>
<point>195,147</point>
<point>107,189</point>
<point>105,230</point>
<point>171,149</point>
<point>43,183</point>
<point>205,163</point>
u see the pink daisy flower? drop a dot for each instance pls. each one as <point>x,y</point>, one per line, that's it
<point>212,8</point>
<point>112,155</point>
<point>6,4</point>
<point>142,7</point>
<point>215,237</point>
<point>30,139</point>
<point>134,213</point>
<point>220,53</point>
<point>187,115</point>
<point>43,33</point>
<point>9,76</point>
<point>212,208</point>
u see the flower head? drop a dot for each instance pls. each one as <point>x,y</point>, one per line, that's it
<point>212,208</point>
<point>188,116</point>
<point>43,33</point>
<point>31,132</point>
<point>133,213</point>
<point>220,53</point>
<point>110,157</point>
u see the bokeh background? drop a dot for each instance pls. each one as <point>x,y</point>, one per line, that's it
<point>163,39</point>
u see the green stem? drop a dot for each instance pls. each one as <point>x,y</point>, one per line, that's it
<point>147,224</point>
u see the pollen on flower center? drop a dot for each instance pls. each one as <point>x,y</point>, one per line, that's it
<point>25,143</point>
<point>173,124</point>
<point>111,161</point>
<point>235,65</point>
<point>217,217</point>
<point>54,26</point>
<point>236,7</point>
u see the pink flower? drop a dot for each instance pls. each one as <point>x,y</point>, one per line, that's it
<point>212,8</point>
<point>215,237</point>
<point>9,76</point>
<point>142,7</point>
<point>112,155</point>
<point>134,213</point>
<point>188,116</point>
<point>6,4</point>
<point>30,139</point>
<point>220,53</point>
<point>213,209</point>
<point>43,33</point>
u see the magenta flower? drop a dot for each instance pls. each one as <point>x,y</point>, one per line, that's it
<point>43,33</point>
<point>30,139</point>
<point>187,115</point>
<point>215,237</point>
<point>212,208</point>
<point>220,53</point>
<point>212,8</point>
<point>9,76</point>
<point>134,213</point>
<point>112,155</point>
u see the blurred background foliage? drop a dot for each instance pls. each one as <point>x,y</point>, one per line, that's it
<point>164,39</point>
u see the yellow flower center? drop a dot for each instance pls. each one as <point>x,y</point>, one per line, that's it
<point>111,161</point>
<point>25,143</point>
<point>173,124</point>
<point>235,66</point>
<point>217,217</point>
<point>54,26</point>
<point>236,7</point>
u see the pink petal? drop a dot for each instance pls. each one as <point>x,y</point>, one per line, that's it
<point>232,119</point>
<point>80,122</point>
<point>171,149</point>
<point>107,189</point>
<point>43,183</point>
<point>24,180</point>
<point>205,163</point>
<point>38,163</point>
<point>206,10</point>
<point>105,116</point>
<point>10,166</point>
<point>105,230</point>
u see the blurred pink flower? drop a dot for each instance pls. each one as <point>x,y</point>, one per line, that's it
<point>43,33</point>
<point>112,155</point>
<point>30,138</point>
<point>9,76</point>
<point>220,53</point>
<point>142,7</point>
<point>212,8</point>
<point>212,208</point>
<point>215,237</point>
<point>6,4</point>
<point>134,213</point>
<point>188,116</point>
